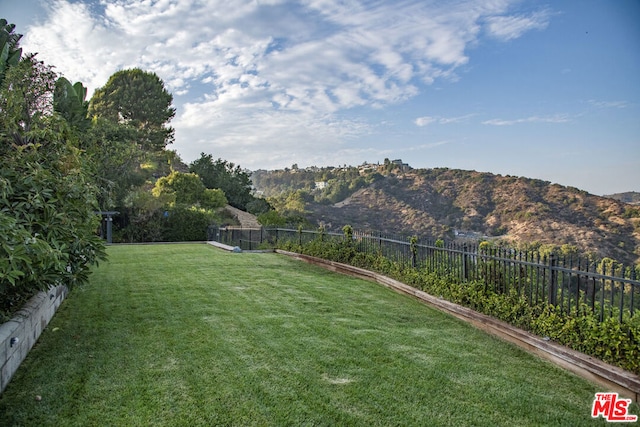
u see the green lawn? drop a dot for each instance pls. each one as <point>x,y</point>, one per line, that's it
<point>186,335</point>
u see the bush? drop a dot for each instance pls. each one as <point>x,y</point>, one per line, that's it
<point>48,224</point>
<point>47,202</point>
<point>184,223</point>
<point>213,198</point>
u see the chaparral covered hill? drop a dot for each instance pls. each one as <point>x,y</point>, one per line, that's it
<point>631,197</point>
<point>449,203</point>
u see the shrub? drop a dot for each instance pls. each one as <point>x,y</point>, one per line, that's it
<point>48,224</point>
<point>213,198</point>
<point>184,223</point>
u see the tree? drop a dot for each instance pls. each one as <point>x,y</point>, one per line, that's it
<point>272,219</point>
<point>187,188</point>
<point>114,159</point>
<point>213,198</point>
<point>27,99</point>
<point>226,176</point>
<point>138,99</point>
<point>128,128</point>
<point>10,52</point>
<point>144,214</point>
<point>259,206</point>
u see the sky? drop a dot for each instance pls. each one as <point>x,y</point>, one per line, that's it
<point>541,89</point>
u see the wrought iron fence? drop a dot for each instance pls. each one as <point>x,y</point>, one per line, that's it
<point>575,285</point>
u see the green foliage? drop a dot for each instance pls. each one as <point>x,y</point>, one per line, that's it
<point>631,212</point>
<point>294,201</point>
<point>272,219</point>
<point>187,188</point>
<point>145,216</point>
<point>47,199</point>
<point>258,206</point>
<point>613,341</point>
<point>339,183</point>
<point>348,233</point>
<point>70,101</point>
<point>26,101</point>
<point>48,225</point>
<point>10,52</point>
<point>338,191</point>
<point>138,99</point>
<point>226,176</point>
<point>179,208</point>
<point>213,198</point>
<point>115,161</point>
<point>187,223</point>
<point>128,132</point>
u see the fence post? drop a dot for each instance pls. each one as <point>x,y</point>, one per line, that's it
<point>633,290</point>
<point>621,292</point>
<point>553,279</point>
<point>465,263</point>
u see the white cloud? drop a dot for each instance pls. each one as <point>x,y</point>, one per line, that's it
<point>558,118</point>
<point>608,104</point>
<point>512,27</point>
<point>275,76</point>
<point>257,134</point>
<point>427,120</point>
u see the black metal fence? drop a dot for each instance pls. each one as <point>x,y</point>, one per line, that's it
<point>575,285</point>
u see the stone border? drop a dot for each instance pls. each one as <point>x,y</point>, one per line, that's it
<point>18,335</point>
<point>608,376</point>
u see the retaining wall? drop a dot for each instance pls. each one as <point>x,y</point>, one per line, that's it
<point>18,335</point>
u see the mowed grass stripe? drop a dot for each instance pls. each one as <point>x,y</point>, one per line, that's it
<point>184,335</point>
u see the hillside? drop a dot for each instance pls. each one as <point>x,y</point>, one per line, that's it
<point>632,197</point>
<point>451,204</point>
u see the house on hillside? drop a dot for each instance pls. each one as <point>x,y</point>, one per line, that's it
<point>367,168</point>
<point>403,166</point>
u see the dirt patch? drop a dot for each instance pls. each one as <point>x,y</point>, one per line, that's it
<point>245,219</point>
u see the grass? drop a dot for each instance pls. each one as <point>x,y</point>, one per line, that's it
<point>188,335</point>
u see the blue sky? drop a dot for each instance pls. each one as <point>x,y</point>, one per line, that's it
<point>547,90</point>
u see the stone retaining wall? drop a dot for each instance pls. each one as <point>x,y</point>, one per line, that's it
<point>18,335</point>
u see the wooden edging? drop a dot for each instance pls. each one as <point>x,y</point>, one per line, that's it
<point>611,377</point>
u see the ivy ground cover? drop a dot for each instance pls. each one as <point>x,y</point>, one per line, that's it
<point>187,335</point>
